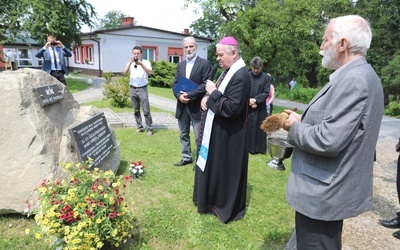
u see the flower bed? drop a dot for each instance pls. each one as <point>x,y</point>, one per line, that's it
<point>85,211</point>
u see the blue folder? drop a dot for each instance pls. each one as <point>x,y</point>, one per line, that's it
<point>184,84</point>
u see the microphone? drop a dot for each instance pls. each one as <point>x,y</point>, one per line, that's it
<point>213,72</point>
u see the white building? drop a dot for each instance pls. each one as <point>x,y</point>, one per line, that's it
<point>109,50</point>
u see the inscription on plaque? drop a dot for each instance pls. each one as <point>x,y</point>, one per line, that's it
<point>92,139</point>
<point>49,94</point>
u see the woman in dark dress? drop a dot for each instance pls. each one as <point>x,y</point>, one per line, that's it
<point>260,87</point>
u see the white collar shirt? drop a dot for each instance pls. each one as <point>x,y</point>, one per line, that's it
<point>189,66</point>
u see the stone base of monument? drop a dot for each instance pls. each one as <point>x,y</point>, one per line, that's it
<point>38,114</point>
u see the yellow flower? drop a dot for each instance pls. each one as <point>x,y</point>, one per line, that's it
<point>38,236</point>
<point>116,244</point>
<point>27,231</point>
<point>98,221</point>
<point>105,196</point>
<point>99,244</point>
<point>68,165</point>
<point>100,187</point>
<point>112,200</point>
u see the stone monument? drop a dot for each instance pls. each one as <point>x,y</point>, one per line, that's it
<point>38,115</point>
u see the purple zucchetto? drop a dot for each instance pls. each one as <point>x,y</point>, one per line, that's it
<point>228,41</point>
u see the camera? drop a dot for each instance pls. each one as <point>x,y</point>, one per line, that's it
<point>135,59</point>
<point>53,43</point>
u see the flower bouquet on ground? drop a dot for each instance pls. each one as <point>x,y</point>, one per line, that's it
<point>136,169</point>
<point>84,211</point>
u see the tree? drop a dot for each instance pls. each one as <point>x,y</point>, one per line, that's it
<point>112,19</point>
<point>208,26</point>
<point>37,18</point>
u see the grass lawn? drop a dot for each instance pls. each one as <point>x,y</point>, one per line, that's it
<point>75,85</point>
<point>166,217</point>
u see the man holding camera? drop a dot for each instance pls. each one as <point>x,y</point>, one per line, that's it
<point>139,70</point>
<point>53,54</point>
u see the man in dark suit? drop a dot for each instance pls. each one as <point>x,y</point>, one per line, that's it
<point>334,140</point>
<point>53,54</point>
<point>198,70</point>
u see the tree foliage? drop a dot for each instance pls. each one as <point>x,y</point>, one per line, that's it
<point>112,19</point>
<point>36,19</point>
<point>287,34</point>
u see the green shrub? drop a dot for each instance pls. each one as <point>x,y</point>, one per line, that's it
<point>301,94</point>
<point>76,72</point>
<point>163,74</point>
<point>393,109</point>
<point>108,76</point>
<point>118,91</point>
<point>298,93</point>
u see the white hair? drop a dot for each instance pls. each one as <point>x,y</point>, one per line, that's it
<point>189,38</point>
<point>230,48</point>
<point>356,30</point>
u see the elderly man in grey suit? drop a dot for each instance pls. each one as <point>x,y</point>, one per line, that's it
<point>188,110</point>
<point>335,139</point>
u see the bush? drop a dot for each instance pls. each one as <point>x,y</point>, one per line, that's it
<point>85,211</point>
<point>393,109</point>
<point>298,93</point>
<point>76,72</point>
<point>118,91</point>
<point>163,74</point>
<point>108,76</point>
<point>302,95</point>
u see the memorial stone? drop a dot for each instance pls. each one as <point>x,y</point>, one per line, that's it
<point>35,136</point>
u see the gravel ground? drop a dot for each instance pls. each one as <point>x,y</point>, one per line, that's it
<point>364,231</point>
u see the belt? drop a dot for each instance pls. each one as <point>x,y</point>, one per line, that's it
<point>57,71</point>
<point>133,87</point>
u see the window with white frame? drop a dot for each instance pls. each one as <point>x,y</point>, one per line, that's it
<point>77,55</point>
<point>90,54</point>
<point>174,58</point>
<point>149,53</point>
<point>24,57</point>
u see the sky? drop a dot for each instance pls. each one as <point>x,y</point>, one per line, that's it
<point>161,14</point>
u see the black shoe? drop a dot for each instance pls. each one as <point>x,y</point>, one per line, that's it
<point>183,162</point>
<point>396,234</point>
<point>393,223</point>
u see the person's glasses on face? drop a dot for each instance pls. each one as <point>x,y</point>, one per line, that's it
<point>189,47</point>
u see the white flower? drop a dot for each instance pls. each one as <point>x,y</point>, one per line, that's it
<point>140,171</point>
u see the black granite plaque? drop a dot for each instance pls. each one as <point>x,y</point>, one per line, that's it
<point>48,94</point>
<point>92,139</point>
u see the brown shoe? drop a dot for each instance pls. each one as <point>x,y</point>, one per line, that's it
<point>149,133</point>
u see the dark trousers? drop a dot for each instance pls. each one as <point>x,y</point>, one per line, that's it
<point>59,75</point>
<point>13,66</point>
<point>398,178</point>
<point>184,121</point>
<point>314,234</point>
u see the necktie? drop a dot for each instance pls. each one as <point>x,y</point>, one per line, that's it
<point>222,76</point>
<point>55,58</point>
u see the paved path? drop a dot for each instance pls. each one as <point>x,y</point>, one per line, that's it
<point>390,128</point>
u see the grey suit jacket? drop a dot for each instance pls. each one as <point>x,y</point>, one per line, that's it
<point>332,163</point>
<point>201,72</point>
